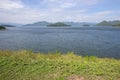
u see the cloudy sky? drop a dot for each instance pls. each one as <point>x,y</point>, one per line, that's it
<point>29,11</point>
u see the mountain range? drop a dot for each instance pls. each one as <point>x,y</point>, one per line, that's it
<point>7,25</point>
<point>42,23</point>
<point>58,24</point>
<point>109,23</point>
<point>45,23</point>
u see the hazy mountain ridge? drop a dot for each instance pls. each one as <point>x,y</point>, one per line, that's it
<point>59,24</point>
<point>109,23</point>
<point>45,23</point>
<point>7,25</point>
<point>2,27</point>
<point>12,24</point>
<point>42,23</point>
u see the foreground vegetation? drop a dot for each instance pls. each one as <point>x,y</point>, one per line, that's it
<point>26,65</point>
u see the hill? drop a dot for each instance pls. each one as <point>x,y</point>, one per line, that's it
<point>42,23</point>
<point>86,25</point>
<point>11,24</point>
<point>104,23</point>
<point>115,23</point>
<point>109,23</point>
<point>45,23</point>
<point>58,24</point>
<point>6,25</point>
<point>2,28</point>
<point>80,23</point>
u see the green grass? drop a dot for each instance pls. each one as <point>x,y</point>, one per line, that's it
<point>26,65</point>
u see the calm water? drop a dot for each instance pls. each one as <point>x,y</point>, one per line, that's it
<point>97,41</point>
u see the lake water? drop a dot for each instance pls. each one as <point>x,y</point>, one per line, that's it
<point>94,41</point>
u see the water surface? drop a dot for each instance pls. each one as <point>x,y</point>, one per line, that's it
<point>93,41</point>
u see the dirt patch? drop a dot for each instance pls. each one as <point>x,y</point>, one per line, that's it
<point>75,77</point>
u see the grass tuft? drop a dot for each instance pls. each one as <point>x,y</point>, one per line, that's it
<point>26,65</point>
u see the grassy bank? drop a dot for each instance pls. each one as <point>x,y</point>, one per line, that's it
<point>26,65</point>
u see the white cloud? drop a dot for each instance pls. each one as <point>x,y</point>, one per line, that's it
<point>63,5</point>
<point>103,13</point>
<point>24,17</point>
<point>69,2</point>
<point>100,16</point>
<point>28,16</point>
<point>57,10</point>
<point>68,5</point>
<point>89,2</point>
<point>10,4</point>
<point>51,0</point>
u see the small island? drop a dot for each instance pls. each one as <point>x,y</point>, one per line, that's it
<point>2,28</point>
<point>58,24</point>
<point>86,25</point>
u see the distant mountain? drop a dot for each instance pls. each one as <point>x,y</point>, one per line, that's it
<point>73,23</point>
<point>109,23</point>
<point>6,25</point>
<point>42,23</point>
<point>2,28</point>
<point>58,24</point>
<point>80,23</point>
<point>12,24</point>
<point>115,23</point>
<point>86,25</point>
<point>104,23</point>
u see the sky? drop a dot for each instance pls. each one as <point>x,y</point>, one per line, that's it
<point>30,11</point>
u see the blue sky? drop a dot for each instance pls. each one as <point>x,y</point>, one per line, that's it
<point>29,11</point>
